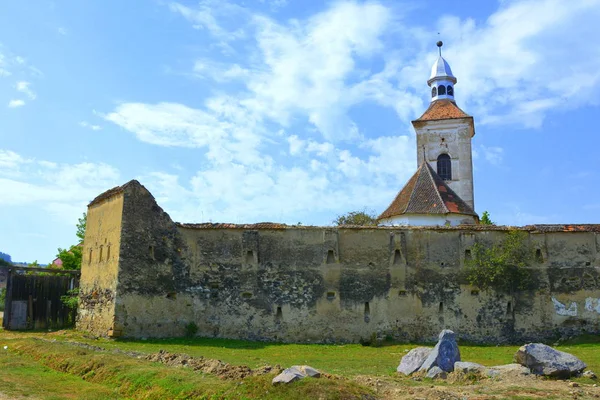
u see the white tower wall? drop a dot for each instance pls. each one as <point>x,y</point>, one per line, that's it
<point>452,137</point>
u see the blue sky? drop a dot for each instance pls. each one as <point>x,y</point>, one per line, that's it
<point>287,110</point>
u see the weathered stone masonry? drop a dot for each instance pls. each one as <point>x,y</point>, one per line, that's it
<point>320,284</point>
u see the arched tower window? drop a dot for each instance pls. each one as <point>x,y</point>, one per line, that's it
<point>450,90</point>
<point>444,167</point>
<point>442,90</point>
<point>433,91</point>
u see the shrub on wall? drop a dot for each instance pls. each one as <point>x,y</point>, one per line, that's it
<point>501,267</point>
<point>191,329</point>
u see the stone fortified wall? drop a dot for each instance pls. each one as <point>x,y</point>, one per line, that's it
<point>321,284</point>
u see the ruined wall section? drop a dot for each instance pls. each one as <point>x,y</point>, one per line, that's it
<point>269,282</point>
<point>321,284</point>
<point>151,269</point>
<point>100,262</point>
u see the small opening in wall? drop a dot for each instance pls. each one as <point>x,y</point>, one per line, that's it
<point>246,295</point>
<point>330,257</point>
<point>397,257</point>
<point>107,252</point>
<point>249,257</point>
<point>587,263</point>
<point>278,314</point>
<point>100,255</point>
<point>214,285</point>
<point>330,295</point>
<point>508,308</point>
<point>171,295</point>
<point>367,309</point>
<point>90,258</point>
<point>402,293</point>
<point>467,254</point>
<point>441,307</point>
<point>151,251</point>
<point>538,256</point>
<point>441,264</point>
<point>475,292</point>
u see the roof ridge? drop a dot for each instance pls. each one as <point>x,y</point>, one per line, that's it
<point>413,192</point>
<point>437,190</point>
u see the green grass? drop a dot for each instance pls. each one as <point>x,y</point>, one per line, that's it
<point>23,377</point>
<point>346,359</point>
<point>61,371</point>
<point>49,370</point>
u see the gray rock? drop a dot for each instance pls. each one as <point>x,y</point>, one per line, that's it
<point>437,373</point>
<point>590,375</point>
<point>544,360</point>
<point>444,354</point>
<point>507,369</point>
<point>295,373</point>
<point>308,371</point>
<point>286,376</point>
<point>467,367</point>
<point>412,361</point>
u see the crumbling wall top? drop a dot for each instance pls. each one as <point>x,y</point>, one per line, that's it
<point>279,226</point>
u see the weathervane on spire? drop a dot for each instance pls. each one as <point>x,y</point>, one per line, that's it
<point>439,45</point>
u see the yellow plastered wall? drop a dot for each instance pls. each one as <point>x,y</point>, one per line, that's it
<point>100,265</point>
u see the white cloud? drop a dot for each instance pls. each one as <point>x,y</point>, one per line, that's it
<point>62,31</point>
<point>24,87</point>
<point>16,103</point>
<point>12,64</point>
<point>219,72</point>
<point>62,189</point>
<point>296,145</point>
<point>85,124</point>
<point>529,58</point>
<point>493,155</point>
<point>10,162</point>
<point>3,66</point>
<point>306,67</point>
<point>207,15</point>
<point>308,76</point>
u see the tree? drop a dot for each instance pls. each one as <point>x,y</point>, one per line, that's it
<point>5,257</point>
<point>81,225</point>
<point>71,259</point>
<point>363,218</point>
<point>485,219</point>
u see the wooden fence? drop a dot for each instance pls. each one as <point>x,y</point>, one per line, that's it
<point>33,298</point>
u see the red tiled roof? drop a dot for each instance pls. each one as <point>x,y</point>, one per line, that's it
<point>442,109</point>
<point>225,225</point>
<point>470,227</point>
<point>426,193</point>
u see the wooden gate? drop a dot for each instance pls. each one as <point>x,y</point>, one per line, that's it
<point>33,298</point>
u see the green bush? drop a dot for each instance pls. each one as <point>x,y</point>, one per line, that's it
<point>501,267</point>
<point>191,329</point>
<point>2,298</point>
<point>71,299</point>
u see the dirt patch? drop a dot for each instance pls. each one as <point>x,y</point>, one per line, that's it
<point>206,365</point>
<point>464,386</point>
<point>211,366</point>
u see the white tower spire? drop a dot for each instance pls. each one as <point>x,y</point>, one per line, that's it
<point>441,80</point>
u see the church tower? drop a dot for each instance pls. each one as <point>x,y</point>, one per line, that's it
<point>444,133</point>
<point>441,191</point>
